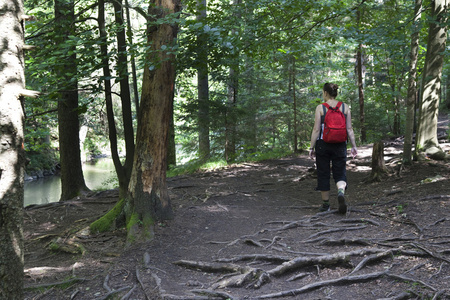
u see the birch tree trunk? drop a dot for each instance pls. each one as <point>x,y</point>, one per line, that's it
<point>12,83</point>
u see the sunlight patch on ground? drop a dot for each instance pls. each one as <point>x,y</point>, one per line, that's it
<point>362,168</point>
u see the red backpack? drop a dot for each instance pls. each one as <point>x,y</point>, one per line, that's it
<point>335,125</point>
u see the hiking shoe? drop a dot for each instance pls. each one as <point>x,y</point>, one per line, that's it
<point>325,207</point>
<point>342,205</point>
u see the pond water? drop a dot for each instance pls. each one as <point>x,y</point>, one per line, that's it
<point>97,175</point>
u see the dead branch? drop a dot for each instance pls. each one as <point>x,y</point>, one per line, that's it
<point>29,93</point>
<point>316,285</point>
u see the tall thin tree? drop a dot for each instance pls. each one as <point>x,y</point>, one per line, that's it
<point>360,79</point>
<point>125,96</point>
<point>412,85</point>
<point>72,179</point>
<point>203,85</point>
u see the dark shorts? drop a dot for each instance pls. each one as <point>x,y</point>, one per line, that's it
<point>334,154</point>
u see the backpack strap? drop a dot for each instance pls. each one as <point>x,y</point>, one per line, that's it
<point>326,105</point>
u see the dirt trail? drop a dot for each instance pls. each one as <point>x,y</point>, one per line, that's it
<point>256,224</point>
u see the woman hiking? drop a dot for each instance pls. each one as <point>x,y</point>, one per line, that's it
<point>334,151</point>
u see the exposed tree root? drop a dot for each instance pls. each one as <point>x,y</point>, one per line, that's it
<point>212,293</point>
<point>319,284</point>
<point>385,252</point>
<point>55,284</point>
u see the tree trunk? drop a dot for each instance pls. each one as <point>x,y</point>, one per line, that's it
<point>426,139</point>
<point>172,150</point>
<point>361,94</point>
<point>412,86</point>
<point>125,97</point>
<point>294,98</point>
<point>203,87</point>
<point>378,165</point>
<point>233,90</point>
<point>133,60</point>
<point>230,118</point>
<point>72,180</point>
<point>148,198</point>
<point>447,94</point>
<point>112,131</point>
<point>359,71</point>
<point>12,82</point>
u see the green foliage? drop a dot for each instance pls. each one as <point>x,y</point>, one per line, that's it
<point>271,45</point>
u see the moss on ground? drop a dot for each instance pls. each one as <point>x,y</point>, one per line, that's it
<point>108,221</point>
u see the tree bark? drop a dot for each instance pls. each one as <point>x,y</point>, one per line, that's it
<point>148,198</point>
<point>133,60</point>
<point>412,86</point>
<point>72,179</point>
<point>112,131</point>
<point>378,166</point>
<point>294,99</point>
<point>426,138</point>
<point>230,118</point>
<point>12,82</point>
<point>359,71</point>
<point>233,90</point>
<point>125,97</point>
<point>203,87</point>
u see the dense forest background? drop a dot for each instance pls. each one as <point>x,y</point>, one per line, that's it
<point>248,73</point>
<point>159,84</point>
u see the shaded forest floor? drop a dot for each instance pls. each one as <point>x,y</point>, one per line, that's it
<point>253,231</point>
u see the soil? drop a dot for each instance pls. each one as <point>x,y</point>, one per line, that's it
<point>254,231</point>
